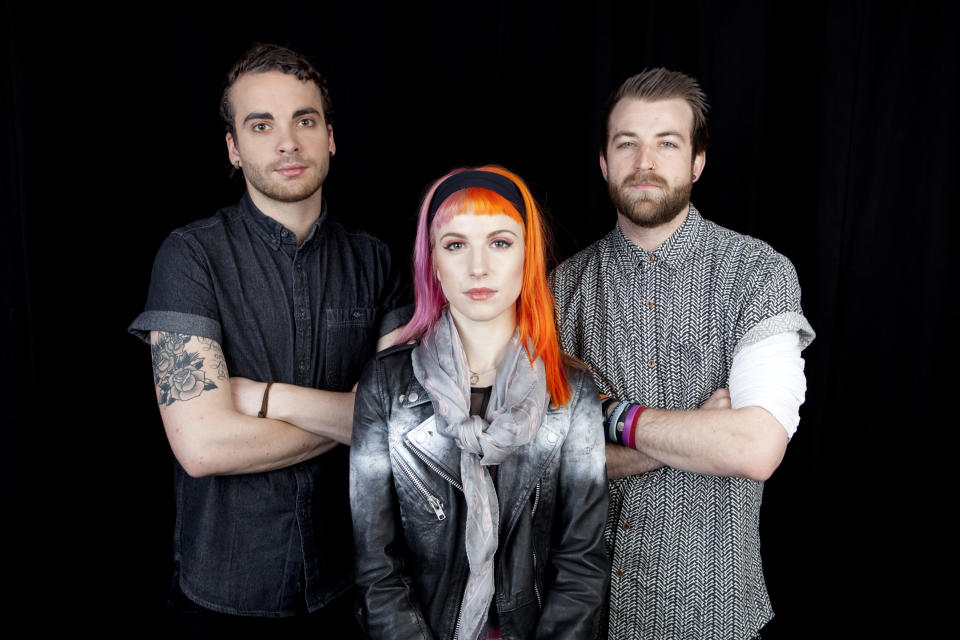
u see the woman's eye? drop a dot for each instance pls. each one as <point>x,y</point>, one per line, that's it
<point>453,246</point>
<point>500,243</point>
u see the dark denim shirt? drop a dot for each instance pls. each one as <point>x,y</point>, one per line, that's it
<point>273,543</point>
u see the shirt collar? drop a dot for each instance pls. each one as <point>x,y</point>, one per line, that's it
<point>274,233</point>
<point>672,252</point>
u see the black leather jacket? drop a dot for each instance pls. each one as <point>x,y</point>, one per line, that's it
<point>551,568</point>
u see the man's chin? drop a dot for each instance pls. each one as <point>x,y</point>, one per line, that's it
<point>291,195</point>
<point>291,198</point>
<point>650,217</point>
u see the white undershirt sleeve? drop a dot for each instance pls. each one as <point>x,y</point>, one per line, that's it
<point>769,374</point>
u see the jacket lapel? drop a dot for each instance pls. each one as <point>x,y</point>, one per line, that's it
<point>424,439</point>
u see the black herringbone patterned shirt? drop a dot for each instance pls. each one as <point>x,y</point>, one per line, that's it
<point>661,328</point>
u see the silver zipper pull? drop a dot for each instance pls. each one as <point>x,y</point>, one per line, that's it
<point>437,507</point>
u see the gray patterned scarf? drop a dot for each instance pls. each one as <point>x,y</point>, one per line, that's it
<point>514,413</point>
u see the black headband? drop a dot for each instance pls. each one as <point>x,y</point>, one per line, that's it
<point>475,178</point>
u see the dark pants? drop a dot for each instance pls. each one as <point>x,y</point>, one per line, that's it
<point>335,620</point>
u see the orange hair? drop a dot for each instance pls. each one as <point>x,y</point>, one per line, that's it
<point>535,306</point>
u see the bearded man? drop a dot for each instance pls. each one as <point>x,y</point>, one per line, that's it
<point>260,319</point>
<point>670,311</point>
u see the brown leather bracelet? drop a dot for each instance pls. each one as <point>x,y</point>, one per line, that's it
<point>266,397</point>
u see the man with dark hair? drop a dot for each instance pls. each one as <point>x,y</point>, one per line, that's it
<point>669,310</point>
<point>260,319</point>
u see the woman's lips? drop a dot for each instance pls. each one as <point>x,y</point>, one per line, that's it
<point>480,293</point>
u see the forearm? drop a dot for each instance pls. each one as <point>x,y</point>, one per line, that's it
<point>623,461</point>
<point>210,431</point>
<point>222,441</point>
<point>746,442</point>
<point>323,413</point>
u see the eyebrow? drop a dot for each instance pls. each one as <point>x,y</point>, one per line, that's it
<point>305,111</point>
<point>458,234</point>
<point>266,115</point>
<point>667,134</point>
<point>263,115</point>
<point>661,134</point>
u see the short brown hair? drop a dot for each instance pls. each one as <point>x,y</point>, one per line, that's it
<point>662,84</point>
<point>272,57</point>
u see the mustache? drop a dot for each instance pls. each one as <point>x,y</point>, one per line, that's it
<point>644,176</point>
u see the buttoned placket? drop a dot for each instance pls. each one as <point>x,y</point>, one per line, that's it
<point>302,320</point>
<point>649,273</point>
<point>646,274</point>
<point>302,316</point>
<point>303,335</point>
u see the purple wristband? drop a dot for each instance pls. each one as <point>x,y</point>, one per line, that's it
<point>628,427</point>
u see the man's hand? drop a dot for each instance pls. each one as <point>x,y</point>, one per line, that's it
<point>719,399</point>
<point>247,395</point>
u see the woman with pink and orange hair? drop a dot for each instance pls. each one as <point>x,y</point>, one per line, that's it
<point>477,463</point>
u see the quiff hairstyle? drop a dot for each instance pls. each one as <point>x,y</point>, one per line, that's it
<point>662,84</point>
<point>262,58</point>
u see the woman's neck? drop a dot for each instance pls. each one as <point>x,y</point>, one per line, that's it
<point>484,343</point>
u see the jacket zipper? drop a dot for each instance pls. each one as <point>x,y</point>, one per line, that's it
<point>446,476</point>
<point>437,470</point>
<point>533,512</point>
<point>456,629</point>
<point>431,499</point>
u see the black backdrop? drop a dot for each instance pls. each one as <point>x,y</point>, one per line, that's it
<point>834,139</point>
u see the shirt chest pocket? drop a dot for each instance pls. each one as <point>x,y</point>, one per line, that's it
<point>350,339</point>
<point>694,368</point>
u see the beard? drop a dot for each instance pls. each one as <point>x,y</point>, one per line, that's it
<point>650,209</point>
<point>264,180</point>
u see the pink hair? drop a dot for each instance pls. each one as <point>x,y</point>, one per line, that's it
<point>535,305</point>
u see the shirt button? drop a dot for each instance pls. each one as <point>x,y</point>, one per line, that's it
<point>651,258</point>
<point>618,573</point>
<point>402,397</point>
<point>357,314</point>
<point>625,526</point>
<point>649,304</point>
<point>651,363</point>
<point>413,396</point>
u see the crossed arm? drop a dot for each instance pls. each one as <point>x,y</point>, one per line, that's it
<point>767,386</point>
<point>210,419</point>
<point>714,440</point>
